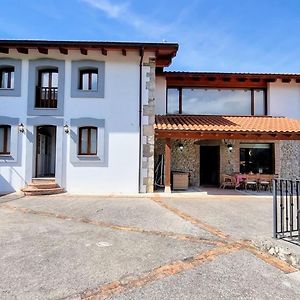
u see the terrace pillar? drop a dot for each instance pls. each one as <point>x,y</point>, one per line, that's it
<point>168,166</point>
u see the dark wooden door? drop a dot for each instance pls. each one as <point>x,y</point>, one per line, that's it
<point>209,165</point>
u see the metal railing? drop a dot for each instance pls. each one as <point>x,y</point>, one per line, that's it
<point>286,209</point>
<point>46,97</point>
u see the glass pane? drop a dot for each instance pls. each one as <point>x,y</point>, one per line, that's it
<point>94,81</point>
<point>259,102</point>
<point>55,79</point>
<point>45,80</point>
<point>4,81</point>
<point>93,140</point>
<point>12,80</point>
<point>8,140</point>
<point>85,81</point>
<point>216,101</point>
<point>84,141</point>
<point>1,139</point>
<point>173,101</point>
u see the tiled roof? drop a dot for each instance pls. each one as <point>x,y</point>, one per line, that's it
<point>227,124</point>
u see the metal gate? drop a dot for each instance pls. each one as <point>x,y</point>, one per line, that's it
<point>286,209</point>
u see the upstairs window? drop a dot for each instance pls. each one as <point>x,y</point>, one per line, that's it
<point>87,141</point>
<point>216,101</point>
<point>4,139</point>
<point>46,90</point>
<point>88,80</point>
<point>7,77</point>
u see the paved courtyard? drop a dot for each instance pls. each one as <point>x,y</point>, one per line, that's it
<point>76,247</point>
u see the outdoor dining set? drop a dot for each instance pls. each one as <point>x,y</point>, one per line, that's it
<point>255,182</point>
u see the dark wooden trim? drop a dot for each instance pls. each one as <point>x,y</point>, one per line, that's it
<point>83,51</point>
<point>43,50</point>
<point>4,50</point>
<point>180,100</point>
<point>252,102</point>
<point>90,73</point>
<point>104,51</point>
<point>64,51</point>
<point>23,50</point>
<point>9,71</point>
<point>6,130</point>
<point>181,134</point>
<point>168,163</point>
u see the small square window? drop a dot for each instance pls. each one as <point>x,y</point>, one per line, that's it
<point>7,78</point>
<point>88,80</point>
<point>87,141</point>
<point>4,139</point>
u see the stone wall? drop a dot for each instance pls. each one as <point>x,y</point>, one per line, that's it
<point>290,159</point>
<point>148,130</point>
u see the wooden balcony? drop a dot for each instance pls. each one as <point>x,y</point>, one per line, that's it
<point>46,97</point>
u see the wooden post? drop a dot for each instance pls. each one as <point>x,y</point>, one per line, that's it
<point>168,166</point>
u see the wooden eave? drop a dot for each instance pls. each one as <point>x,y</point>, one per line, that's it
<point>165,52</point>
<point>235,80</point>
<point>206,135</point>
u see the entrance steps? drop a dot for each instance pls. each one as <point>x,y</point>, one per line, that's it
<point>42,186</point>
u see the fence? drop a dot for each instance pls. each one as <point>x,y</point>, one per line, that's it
<point>286,209</point>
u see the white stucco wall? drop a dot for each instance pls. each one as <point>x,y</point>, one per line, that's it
<point>160,95</point>
<point>120,110</point>
<point>284,99</point>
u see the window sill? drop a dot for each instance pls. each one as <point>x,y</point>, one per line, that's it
<point>87,155</point>
<point>7,89</point>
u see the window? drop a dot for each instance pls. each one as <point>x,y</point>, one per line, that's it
<point>87,141</point>
<point>46,90</point>
<point>88,80</point>
<point>216,101</point>
<point>4,139</point>
<point>7,78</point>
<point>256,158</point>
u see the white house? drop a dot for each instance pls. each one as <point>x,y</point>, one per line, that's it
<point>97,117</point>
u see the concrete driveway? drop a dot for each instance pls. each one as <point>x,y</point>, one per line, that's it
<point>58,247</point>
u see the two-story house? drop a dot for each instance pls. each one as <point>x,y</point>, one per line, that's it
<point>99,117</point>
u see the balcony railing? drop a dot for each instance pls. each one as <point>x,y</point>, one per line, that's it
<point>46,97</point>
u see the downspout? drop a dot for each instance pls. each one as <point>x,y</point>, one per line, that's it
<point>140,117</point>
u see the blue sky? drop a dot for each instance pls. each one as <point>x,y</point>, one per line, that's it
<point>214,35</point>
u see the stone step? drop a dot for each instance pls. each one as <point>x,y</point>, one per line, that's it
<point>29,191</point>
<point>43,185</point>
<point>43,180</point>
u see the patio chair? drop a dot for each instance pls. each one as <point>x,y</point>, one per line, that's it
<point>228,181</point>
<point>251,182</point>
<point>265,182</point>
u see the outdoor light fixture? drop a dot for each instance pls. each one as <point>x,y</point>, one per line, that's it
<point>66,129</point>
<point>229,147</point>
<point>21,128</point>
<point>180,147</point>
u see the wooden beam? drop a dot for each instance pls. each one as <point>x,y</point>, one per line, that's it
<point>63,50</point>
<point>43,50</point>
<point>124,53</point>
<point>23,50</point>
<point>83,51</point>
<point>286,80</point>
<point>168,165</point>
<point>164,134</point>
<point>4,50</point>
<point>104,51</point>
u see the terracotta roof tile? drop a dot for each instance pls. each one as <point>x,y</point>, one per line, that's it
<point>251,124</point>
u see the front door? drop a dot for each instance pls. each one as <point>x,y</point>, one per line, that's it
<point>45,151</point>
<point>209,165</point>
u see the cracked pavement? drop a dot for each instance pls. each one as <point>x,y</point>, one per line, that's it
<point>71,247</point>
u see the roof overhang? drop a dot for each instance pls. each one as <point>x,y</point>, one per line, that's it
<point>164,52</point>
<point>226,127</point>
<point>214,79</point>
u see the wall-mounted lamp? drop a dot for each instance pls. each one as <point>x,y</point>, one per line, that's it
<point>180,146</point>
<point>229,147</point>
<point>21,127</point>
<point>66,129</point>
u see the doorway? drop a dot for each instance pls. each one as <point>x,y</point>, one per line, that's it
<point>45,151</point>
<point>209,165</point>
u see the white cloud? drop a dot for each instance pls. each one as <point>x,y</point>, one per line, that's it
<point>112,10</point>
